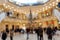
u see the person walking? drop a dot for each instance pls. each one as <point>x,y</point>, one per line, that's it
<point>27,31</point>
<point>4,35</point>
<point>7,30</point>
<point>11,35</point>
<point>49,33</point>
<point>39,32</point>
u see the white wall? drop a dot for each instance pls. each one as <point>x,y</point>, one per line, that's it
<point>2,16</point>
<point>56,13</point>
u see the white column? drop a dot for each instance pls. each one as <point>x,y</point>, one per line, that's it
<point>56,13</point>
<point>2,16</point>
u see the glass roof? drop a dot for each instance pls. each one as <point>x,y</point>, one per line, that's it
<point>28,2</point>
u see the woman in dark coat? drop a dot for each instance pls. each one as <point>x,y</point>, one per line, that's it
<point>4,35</point>
<point>49,33</point>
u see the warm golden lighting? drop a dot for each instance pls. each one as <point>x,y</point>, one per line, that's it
<point>57,0</point>
<point>4,4</point>
<point>14,9</point>
<point>30,15</point>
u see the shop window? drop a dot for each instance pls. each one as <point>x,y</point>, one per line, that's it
<point>6,26</point>
<point>17,14</point>
<point>58,5</point>
<point>9,14</point>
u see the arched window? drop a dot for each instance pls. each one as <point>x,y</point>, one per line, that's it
<point>6,26</point>
<point>9,14</point>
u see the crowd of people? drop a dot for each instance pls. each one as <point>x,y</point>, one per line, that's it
<point>39,31</point>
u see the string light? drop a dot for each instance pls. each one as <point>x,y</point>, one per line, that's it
<point>57,0</point>
<point>47,14</point>
<point>50,4</point>
<point>56,3</point>
<point>4,4</point>
<point>10,8</point>
<point>14,9</point>
<point>40,23</point>
<point>49,7</point>
<point>2,9</point>
<point>53,2</point>
<point>43,9</point>
<point>6,7</point>
<point>53,5</point>
<point>56,7</point>
<point>46,7</point>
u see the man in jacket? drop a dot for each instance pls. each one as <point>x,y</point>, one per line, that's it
<point>49,33</point>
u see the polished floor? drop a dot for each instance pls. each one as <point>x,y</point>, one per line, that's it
<point>32,37</point>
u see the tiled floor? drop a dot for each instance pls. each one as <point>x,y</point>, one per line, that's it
<point>31,37</point>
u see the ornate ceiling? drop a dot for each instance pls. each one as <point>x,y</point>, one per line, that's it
<point>26,9</point>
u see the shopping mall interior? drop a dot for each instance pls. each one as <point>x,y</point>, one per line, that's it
<point>30,14</point>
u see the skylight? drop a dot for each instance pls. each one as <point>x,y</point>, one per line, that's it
<point>28,2</point>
